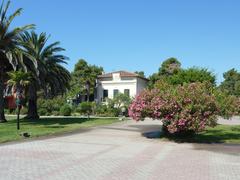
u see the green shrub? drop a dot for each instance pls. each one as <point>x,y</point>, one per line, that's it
<point>228,105</point>
<point>66,110</point>
<point>115,112</point>
<point>48,107</point>
<point>77,109</point>
<point>101,109</point>
<point>104,110</point>
<point>115,105</point>
<point>42,112</point>
<point>55,113</point>
<point>86,108</point>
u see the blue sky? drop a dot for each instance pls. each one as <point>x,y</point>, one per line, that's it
<point>139,34</point>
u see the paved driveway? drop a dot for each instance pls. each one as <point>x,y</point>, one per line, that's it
<point>232,121</point>
<point>118,152</point>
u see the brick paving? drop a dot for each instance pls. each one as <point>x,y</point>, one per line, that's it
<point>118,152</point>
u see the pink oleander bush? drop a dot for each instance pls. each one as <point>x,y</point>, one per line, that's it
<point>186,108</point>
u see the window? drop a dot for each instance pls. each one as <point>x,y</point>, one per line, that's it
<point>115,92</point>
<point>127,92</point>
<point>105,94</point>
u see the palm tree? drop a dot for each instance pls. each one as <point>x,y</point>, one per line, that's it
<point>58,80</point>
<point>51,76</point>
<point>10,57</point>
<point>18,80</point>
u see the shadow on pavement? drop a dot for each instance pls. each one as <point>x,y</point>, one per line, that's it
<point>152,135</point>
<point>136,128</point>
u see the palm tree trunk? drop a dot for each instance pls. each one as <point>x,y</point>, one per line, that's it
<point>32,103</point>
<point>2,115</point>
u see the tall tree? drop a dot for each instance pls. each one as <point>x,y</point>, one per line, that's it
<point>50,76</point>
<point>140,73</point>
<point>169,67</point>
<point>172,72</point>
<point>231,83</point>
<point>153,79</point>
<point>192,75</point>
<point>84,75</point>
<point>9,48</point>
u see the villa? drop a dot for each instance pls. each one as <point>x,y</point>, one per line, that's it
<point>110,84</point>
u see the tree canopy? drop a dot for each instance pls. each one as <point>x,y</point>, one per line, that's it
<point>10,53</point>
<point>192,75</point>
<point>231,83</point>
<point>172,72</point>
<point>169,67</point>
<point>140,73</point>
<point>83,73</point>
<point>49,76</point>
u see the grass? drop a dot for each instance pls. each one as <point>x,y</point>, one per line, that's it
<point>47,126</point>
<point>219,134</point>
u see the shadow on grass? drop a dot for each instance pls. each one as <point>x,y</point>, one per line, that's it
<point>219,134</point>
<point>50,122</point>
<point>60,121</point>
<point>56,127</point>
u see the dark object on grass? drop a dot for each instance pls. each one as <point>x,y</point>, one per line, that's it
<point>25,134</point>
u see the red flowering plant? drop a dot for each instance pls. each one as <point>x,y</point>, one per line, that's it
<point>140,107</point>
<point>186,108</point>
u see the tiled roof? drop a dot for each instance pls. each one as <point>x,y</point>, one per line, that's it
<point>122,74</point>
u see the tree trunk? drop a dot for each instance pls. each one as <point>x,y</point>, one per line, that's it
<point>32,103</point>
<point>46,92</point>
<point>2,115</point>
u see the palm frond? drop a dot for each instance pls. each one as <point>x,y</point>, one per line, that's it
<point>11,17</point>
<point>4,11</point>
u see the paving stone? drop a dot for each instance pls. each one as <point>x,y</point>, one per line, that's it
<point>118,152</point>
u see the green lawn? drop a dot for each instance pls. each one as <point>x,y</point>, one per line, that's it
<point>218,134</point>
<point>47,126</point>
